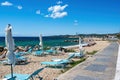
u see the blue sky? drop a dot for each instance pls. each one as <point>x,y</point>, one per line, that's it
<point>57,17</point>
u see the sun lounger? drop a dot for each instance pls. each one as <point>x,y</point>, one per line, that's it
<point>38,53</point>
<point>19,60</point>
<point>3,54</point>
<point>51,51</point>
<point>58,62</point>
<point>24,53</point>
<point>67,59</point>
<point>78,54</point>
<point>85,44</point>
<point>26,76</point>
<point>55,64</point>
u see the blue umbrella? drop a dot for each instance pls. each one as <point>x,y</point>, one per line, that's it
<point>10,46</point>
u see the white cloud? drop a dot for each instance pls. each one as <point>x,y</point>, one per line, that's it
<point>57,8</point>
<point>19,7</point>
<point>58,15</point>
<point>38,12</point>
<point>57,11</point>
<point>6,3</point>
<point>59,2</point>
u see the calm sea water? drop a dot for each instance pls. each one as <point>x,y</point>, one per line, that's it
<point>47,41</point>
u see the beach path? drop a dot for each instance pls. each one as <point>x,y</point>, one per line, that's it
<point>102,66</point>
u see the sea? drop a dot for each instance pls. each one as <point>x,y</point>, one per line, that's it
<point>50,41</point>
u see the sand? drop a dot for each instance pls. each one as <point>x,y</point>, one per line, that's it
<point>47,73</point>
<point>99,46</point>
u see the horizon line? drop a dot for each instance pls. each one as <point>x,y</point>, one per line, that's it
<point>63,34</point>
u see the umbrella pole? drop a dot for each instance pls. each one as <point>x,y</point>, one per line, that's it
<point>11,71</point>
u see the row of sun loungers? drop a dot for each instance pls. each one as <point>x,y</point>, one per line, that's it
<point>63,62</point>
<point>39,52</point>
<point>47,52</point>
<point>20,58</point>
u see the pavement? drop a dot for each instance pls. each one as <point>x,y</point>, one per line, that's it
<point>101,66</point>
<point>117,75</point>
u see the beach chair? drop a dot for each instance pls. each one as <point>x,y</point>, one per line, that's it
<point>28,52</point>
<point>19,60</point>
<point>24,53</point>
<point>58,62</point>
<point>78,54</point>
<point>55,64</point>
<point>85,44</point>
<point>3,54</point>
<point>38,53</point>
<point>50,52</point>
<point>26,76</point>
<point>65,60</point>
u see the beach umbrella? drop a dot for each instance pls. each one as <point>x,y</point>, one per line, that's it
<point>80,43</point>
<point>41,44</point>
<point>10,46</point>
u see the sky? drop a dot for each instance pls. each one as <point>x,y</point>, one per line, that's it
<point>59,17</point>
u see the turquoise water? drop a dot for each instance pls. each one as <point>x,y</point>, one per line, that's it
<point>47,41</point>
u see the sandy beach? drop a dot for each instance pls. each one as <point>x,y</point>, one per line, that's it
<point>47,73</point>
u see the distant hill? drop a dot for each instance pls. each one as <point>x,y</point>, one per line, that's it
<point>92,35</point>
